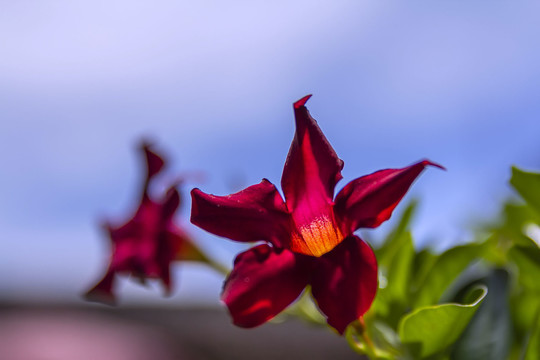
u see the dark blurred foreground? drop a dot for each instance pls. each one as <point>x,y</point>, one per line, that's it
<point>141,333</point>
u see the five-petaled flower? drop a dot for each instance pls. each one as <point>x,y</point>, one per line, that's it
<point>145,245</point>
<point>309,238</point>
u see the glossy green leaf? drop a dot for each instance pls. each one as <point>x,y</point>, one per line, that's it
<point>489,333</point>
<point>444,271</point>
<point>432,329</point>
<point>527,184</point>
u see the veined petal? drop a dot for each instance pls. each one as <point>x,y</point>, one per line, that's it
<point>314,234</point>
<point>344,282</point>
<point>312,168</point>
<point>262,283</point>
<point>369,200</point>
<point>311,172</point>
<point>253,214</point>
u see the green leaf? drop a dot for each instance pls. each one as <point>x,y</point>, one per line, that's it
<point>430,330</point>
<point>516,218</point>
<point>395,258</point>
<point>527,184</point>
<point>517,215</point>
<point>444,271</point>
<point>489,334</point>
<point>527,260</point>
<point>389,247</point>
<point>400,269</point>
<point>532,351</point>
<point>395,272</point>
<point>422,264</point>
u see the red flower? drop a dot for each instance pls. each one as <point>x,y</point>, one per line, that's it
<point>309,237</point>
<point>146,244</point>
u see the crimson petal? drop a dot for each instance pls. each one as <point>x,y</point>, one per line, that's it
<point>167,250</point>
<point>102,292</point>
<point>171,203</point>
<point>146,214</point>
<point>311,172</point>
<point>312,167</point>
<point>262,283</point>
<point>253,214</point>
<point>345,282</point>
<point>369,200</point>
<point>149,241</point>
<point>154,162</point>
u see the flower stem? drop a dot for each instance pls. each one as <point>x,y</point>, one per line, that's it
<point>362,330</point>
<point>361,343</point>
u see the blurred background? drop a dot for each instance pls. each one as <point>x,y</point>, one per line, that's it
<point>212,85</point>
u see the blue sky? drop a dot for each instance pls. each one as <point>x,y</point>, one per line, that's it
<point>213,83</point>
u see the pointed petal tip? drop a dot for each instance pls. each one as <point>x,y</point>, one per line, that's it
<point>104,225</point>
<point>302,102</point>
<point>154,161</point>
<point>426,162</point>
<point>145,144</point>
<point>99,296</point>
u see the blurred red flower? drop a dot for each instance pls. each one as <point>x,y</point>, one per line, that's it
<point>309,236</point>
<point>145,245</point>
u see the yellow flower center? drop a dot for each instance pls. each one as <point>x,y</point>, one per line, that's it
<point>317,237</point>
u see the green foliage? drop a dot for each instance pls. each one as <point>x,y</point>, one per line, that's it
<point>395,273</point>
<point>479,300</point>
<point>445,269</point>
<point>527,185</point>
<point>489,334</point>
<point>407,305</point>
<point>527,260</point>
<point>431,329</point>
<point>389,247</point>
<point>532,351</point>
<point>408,321</point>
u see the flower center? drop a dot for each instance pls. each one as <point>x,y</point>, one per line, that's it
<point>317,237</point>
